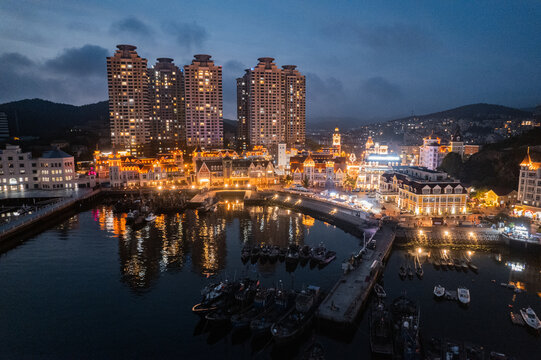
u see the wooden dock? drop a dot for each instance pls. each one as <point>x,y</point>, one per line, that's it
<point>349,295</point>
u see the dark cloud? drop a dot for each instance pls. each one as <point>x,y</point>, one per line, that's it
<point>75,76</point>
<point>187,35</point>
<point>88,60</point>
<point>131,25</point>
<point>14,61</point>
<point>380,88</point>
<point>318,88</point>
<point>396,38</point>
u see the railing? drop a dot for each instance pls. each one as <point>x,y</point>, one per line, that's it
<point>44,211</point>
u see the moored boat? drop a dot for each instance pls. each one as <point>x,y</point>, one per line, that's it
<point>329,256</point>
<point>439,291</point>
<point>274,253</point>
<point>406,317</point>
<point>262,322</point>
<point>380,291</point>
<point>402,272</point>
<point>295,321</point>
<point>530,318</point>
<point>409,270</point>
<point>463,295</point>
<point>292,255</point>
<point>150,217</point>
<point>314,352</point>
<point>381,327</point>
<point>262,300</point>
<point>318,254</point>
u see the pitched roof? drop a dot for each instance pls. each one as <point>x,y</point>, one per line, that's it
<point>55,154</point>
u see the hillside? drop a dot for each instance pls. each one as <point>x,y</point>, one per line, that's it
<point>497,164</point>
<point>474,112</point>
<point>36,117</point>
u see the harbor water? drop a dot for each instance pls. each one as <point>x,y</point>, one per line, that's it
<point>93,287</point>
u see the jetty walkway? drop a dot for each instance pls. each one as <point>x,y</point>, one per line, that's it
<point>349,295</point>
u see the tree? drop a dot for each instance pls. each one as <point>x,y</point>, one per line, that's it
<point>305,182</point>
<point>349,182</point>
<point>452,164</point>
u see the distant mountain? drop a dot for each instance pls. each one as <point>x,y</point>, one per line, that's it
<point>474,112</point>
<point>331,122</point>
<point>38,117</point>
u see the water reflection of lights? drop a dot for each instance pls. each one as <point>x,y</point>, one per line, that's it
<point>516,266</point>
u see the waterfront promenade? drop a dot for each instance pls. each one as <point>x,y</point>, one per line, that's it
<point>17,226</point>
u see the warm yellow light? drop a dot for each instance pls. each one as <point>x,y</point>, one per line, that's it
<point>446,233</point>
<point>471,233</point>
<point>469,253</point>
<point>419,250</point>
<point>420,232</point>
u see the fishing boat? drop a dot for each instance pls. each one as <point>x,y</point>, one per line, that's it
<point>242,300</point>
<point>530,318</point>
<point>254,255</point>
<point>292,255</point>
<point>329,256</point>
<point>274,253</point>
<point>381,330</point>
<point>264,253</point>
<point>150,217</point>
<point>452,350</point>
<point>318,254</point>
<point>214,296</point>
<point>380,292</point>
<point>294,322</point>
<point>261,323</point>
<point>439,291</point>
<point>463,295</point>
<point>262,300</point>
<point>131,216</point>
<point>282,254</point>
<point>406,317</point>
<point>457,265</point>
<point>305,254</point>
<point>245,253</point>
<point>464,266</point>
<point>402,272</point>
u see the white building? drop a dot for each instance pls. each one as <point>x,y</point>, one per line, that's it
<point>56,170</point>
<point>19,171</point>
<point>430,155</point>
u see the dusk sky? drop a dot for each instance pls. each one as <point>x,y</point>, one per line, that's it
<point>364,60</point>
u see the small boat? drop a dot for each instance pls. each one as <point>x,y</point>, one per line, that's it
<point>530,318</point>
<point>329,256</point>
<point>456,262</point>
<point>380,292</point>
<point>410,272</point>
<point>463,295</point>
<point>419,271</point>
<point>436,263</point>
<point>150,217</point>
<point>406,317</point>
<point>261,323</point>
<point>439,291</point>
<point>464,266</point>
<point>263,299</point>
<point>473,266</point>
<point>132,215</point>
<point>402,272</point>
<point>264,253</point>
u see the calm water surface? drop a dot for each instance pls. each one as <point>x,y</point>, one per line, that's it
<point>92,287</point>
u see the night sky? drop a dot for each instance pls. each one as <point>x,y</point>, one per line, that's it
<point>363,60</point>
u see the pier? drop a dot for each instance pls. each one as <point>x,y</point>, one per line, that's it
<point>349,295</point>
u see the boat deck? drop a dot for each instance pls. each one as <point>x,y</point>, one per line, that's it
<point>517,319</point>
<point>352,290</point>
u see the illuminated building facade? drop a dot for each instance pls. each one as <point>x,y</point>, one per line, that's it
<point>226,167</point>
<point>203,103</point>
<point>422,191</point>
<point>128,102</point>
<point>320,170</point>
<point>337,142</point>
<point>271,105</point>
<point>529,187</point>
<point>124,170</point>
<point>166,107</point>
